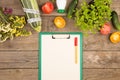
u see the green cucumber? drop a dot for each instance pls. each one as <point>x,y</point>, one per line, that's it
<point>115,20</point>
<point>71,8</point>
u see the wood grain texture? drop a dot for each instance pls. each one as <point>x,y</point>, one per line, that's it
<point>99,42</point>
<point>19,74</point>
<point>29,59</point>
<point>101,59</point>
<point>32,74</point>
<point>92,42</point>
<point>101,74</point>
<point>19,57</point>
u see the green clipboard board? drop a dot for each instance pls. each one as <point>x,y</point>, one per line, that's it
<point>60,56</point>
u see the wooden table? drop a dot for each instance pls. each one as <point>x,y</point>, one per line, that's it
<point>19,57</point>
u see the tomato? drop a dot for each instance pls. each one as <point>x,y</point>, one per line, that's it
<point>59,22</point>
<point>115,37</point>
<point>48,7</point>
<point>105,29</point>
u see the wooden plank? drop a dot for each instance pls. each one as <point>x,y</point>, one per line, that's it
<point>21,43</point>
<point>99,42</point>
<point>101,74</point>
<point>19,74</point>
<point>29,59</point>
<point>18,59</point>
<point>91,42</point>
<point>101,59</point>
<point>32,74</point>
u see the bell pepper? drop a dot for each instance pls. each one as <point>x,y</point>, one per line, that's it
<point>59,22</point>
<point>115,37</point>
<point>48,7</point>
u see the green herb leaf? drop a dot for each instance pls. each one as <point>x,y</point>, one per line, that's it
<point>90,17</point>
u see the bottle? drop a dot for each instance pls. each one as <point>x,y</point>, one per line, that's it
<point>61,4</point>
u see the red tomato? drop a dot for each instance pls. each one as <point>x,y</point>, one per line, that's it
<point>105,29</point>
<point>48,7</point>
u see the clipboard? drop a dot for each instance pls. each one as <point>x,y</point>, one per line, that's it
<point>60,56</point>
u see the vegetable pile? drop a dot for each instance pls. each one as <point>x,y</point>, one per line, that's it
<point>11,26</point>
<point>95,16</point>
<point>91,16</point>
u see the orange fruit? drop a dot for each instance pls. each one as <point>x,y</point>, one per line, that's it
<point>59,22</point>
<point>115,37</point>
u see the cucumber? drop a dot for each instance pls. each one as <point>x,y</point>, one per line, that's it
<point>71,8</point>
<point>115,20</point>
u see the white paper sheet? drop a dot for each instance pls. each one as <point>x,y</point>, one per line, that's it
<point>58,58</point>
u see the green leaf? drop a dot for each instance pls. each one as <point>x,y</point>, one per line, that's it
<point>89,17</point>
